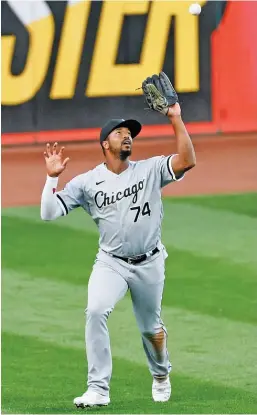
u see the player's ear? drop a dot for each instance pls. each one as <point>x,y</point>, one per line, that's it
<point>105,144</point>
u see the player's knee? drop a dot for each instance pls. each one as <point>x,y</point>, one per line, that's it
<point>97,312</point>
<point>156,338</point>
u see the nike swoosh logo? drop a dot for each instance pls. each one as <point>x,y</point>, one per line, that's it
<point>97,183</point>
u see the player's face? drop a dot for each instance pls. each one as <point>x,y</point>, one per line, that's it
<point>120,143</point>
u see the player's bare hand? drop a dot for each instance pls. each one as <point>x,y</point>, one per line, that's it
<point>174,110</point>
<point>55,164</point>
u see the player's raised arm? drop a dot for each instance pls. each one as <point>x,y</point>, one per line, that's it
<point>185,158</point>
<point>55,165</point>
<point>162,97</point>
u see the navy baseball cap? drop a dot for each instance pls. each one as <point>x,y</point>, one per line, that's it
<point>133,126</point>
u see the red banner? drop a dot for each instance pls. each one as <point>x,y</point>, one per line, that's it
<point>234,68</point>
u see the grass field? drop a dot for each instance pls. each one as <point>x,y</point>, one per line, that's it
<point>209,308</point>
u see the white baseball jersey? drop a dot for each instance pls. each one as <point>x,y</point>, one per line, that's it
<point>127,207</point>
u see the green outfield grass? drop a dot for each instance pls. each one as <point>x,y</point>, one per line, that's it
<point>209,308</point>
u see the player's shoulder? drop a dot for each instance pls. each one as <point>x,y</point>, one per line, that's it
<point>97,171</point>
<point>148,162</point>
<point>96,174</point>
<point>84,178</point>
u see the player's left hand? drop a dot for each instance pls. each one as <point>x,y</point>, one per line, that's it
<point>160,94</point>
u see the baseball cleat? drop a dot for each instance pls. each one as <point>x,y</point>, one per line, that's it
<point>161,390</point>
<point>91,398</point>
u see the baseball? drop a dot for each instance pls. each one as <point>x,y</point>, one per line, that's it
<point>195,9</point>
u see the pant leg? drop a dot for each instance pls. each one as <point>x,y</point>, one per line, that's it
<point>146,293</point>
<point>106,287</point>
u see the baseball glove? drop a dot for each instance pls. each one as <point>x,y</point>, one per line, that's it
<point>159,93</point>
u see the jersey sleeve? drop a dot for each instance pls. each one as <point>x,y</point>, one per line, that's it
<point>164,169</point>
<point>73,195</point>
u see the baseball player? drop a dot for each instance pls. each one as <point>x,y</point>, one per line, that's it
<point>124,199</point>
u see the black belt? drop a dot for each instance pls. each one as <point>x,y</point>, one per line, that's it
<point>139,258</point>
